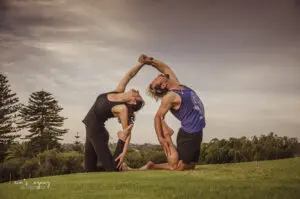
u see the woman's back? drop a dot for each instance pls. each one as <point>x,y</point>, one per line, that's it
<point>101,111</point>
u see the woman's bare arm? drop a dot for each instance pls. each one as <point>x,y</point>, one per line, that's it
<point>123,115</point>
<point>126,79</point>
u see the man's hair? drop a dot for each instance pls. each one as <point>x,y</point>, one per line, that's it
<point>133,108</point>
<point>157,92</point>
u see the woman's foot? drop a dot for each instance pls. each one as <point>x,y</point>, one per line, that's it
<point>124,167</point>
<point>122,135</point>
<point>147,166</point>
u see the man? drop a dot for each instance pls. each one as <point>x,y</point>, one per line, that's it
<point>186,106</point>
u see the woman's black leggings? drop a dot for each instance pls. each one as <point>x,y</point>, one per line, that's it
<point>96,148</point>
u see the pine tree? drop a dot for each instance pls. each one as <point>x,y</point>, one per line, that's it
<point>41,116</point>
<point>9,105</point>
<point>77,144</point>
<point>77,139</point>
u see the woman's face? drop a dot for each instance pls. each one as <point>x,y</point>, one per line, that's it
<point>135,96</point>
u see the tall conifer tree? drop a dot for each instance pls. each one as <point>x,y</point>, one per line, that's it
<point>41,117</point>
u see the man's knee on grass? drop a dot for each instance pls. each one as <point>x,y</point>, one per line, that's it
<point>173,160</point>
<point>173,166</point>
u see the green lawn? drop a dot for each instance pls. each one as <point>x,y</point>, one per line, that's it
<point>269,179</point>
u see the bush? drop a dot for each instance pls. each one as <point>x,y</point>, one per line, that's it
<point>134,159</point>
<point>158,157</point>
<point>137,158</point>
<point>49,163</point>
<point>53,162</point>
<point>10,169</point>
<point>29,168</point>
<point>72,162</point>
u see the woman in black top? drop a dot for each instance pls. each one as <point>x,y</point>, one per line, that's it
<point>118,104</point>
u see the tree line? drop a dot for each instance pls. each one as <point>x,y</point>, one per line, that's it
<point>39,152</point>
<point>264,147</point>
<point>40,117</point>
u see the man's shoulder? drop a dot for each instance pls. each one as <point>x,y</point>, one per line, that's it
<point>169,94</point>
<point>170,97</point>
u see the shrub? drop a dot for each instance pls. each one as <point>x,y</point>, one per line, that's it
<point>158,157</point>
<point>53,162</point>
<point>72,162</point>
<point>134,159</point>
<point>29,168</point>
<point>49,163</point>
<point>10,169</point>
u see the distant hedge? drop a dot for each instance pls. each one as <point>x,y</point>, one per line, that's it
<point>48,163</point>
<point>264,147</point>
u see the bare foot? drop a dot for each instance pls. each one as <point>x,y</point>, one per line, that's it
<point>150,165</point>
<point>125,167</point>
<point>167,130</point>
<point>147,166</point>
<point>122,135</point>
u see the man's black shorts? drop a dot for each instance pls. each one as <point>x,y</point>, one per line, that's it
<point>188,146</point>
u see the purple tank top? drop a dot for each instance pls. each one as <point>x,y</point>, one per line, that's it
<point>191,112</point>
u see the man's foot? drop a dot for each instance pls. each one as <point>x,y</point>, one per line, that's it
<point>169,132</point>
<point>166,129</point>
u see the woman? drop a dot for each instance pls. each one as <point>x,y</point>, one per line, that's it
<point>116,104</point>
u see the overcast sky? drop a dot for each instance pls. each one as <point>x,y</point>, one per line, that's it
<point>242,57</point>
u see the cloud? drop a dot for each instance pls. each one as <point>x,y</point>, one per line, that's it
<point>242,59</point>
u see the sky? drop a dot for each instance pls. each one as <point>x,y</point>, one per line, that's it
<point>241,56</point>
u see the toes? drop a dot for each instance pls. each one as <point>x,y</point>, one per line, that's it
<point>121,135</point>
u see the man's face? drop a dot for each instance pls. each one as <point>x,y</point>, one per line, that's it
<point>160,81</point>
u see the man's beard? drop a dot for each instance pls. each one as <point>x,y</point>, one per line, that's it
<point>160,91</point>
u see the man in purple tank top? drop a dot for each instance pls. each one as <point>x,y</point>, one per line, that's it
<point>187,107</point>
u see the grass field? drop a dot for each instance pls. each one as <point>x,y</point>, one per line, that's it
<point>268,179</point>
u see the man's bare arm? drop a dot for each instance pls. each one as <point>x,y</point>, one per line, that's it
<point>125,80</point>
<point>166,105</point>
<point>160,66</point>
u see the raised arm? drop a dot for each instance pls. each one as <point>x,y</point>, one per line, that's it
<point>160,66</point>
<point>166,105</point>
<point>125,80</point>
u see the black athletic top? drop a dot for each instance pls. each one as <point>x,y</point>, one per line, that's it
<point>100,112</point>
